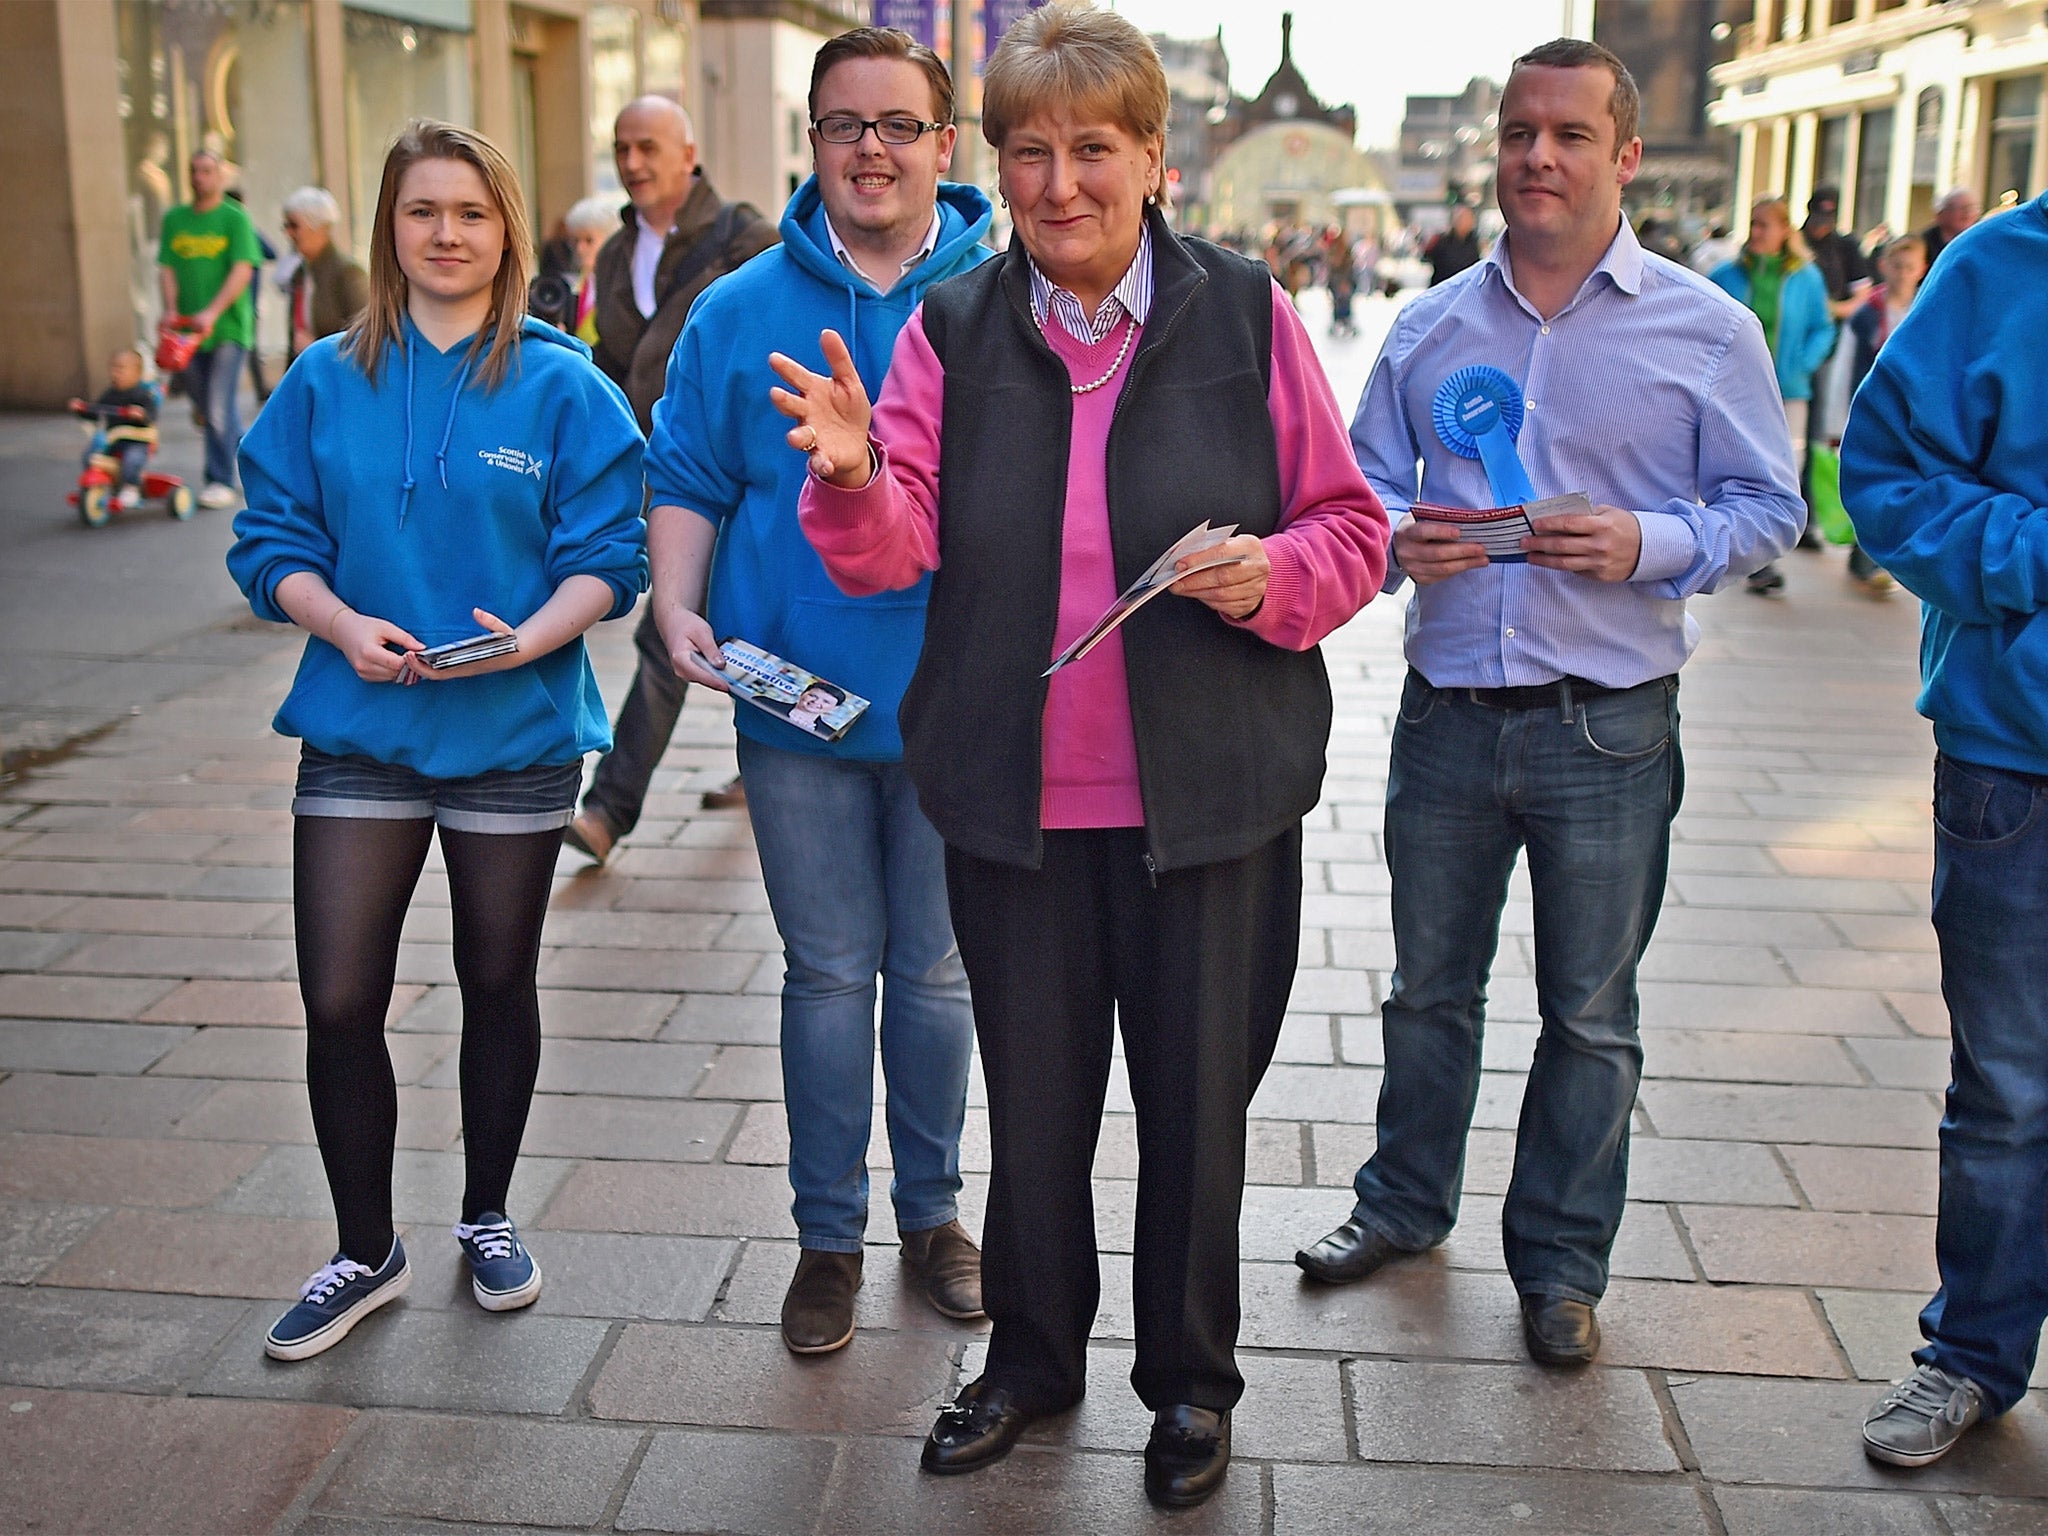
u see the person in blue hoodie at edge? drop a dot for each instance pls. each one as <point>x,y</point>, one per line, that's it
<point>855,873</point>
<point>445,461</point>
<point>1945,475</point>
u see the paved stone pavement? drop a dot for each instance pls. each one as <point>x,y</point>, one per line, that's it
<point>160,1194</point>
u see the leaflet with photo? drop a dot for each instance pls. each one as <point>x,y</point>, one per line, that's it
<point>492,642</point>
<point>1157,578</point>
<point>1500,530</point>
<point>788,692</point>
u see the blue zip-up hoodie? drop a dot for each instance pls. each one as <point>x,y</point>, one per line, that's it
<point>420,495</point>
<point>1945,474</point>
<point>1806,331</point>
<point>719,448</point>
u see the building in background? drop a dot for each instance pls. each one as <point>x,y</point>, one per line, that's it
<point>753,119</point>
<point>102,103</point>
<point>1670,46</point>
<point>1892,101</point>
<point>1198,82</point>
<point>1446,154</point>
<point>1282,157</point>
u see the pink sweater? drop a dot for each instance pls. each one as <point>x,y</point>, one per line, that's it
<point>1328,557</point>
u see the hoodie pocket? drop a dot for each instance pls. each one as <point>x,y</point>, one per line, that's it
<point>869,645</point>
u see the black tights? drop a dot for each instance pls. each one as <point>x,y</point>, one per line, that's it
<point>352,880</point>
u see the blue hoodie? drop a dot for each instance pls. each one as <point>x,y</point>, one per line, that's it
<point>719,448</point>
<point>421,495</point>
<point>1945,474</point>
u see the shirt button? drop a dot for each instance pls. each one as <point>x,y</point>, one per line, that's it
<point>1531,404</point>
<point>1546,330</point>
<point>1511,631</point>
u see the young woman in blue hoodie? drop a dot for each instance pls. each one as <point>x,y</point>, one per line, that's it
<point>445,461</point>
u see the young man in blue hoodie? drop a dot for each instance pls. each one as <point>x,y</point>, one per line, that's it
<point>855,873</point>
<point>1945,473</point>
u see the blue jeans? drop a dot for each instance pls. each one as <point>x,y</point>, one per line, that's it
<point>1991,1239</point>
<point>856,877</point>
<point>214,381</point>
<point>1590,792</point>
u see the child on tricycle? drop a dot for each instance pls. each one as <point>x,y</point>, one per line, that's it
<point>115,472</point>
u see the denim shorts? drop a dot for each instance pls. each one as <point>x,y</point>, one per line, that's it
<point>522,800</point>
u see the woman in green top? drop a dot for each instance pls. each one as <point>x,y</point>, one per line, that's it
<point>206,255</point>
<point>1777,279</point>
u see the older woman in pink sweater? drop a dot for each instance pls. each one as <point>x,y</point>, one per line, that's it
<point>1123,837</point>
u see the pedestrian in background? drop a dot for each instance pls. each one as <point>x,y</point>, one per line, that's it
<point>266,255</point>
<point>588,223</point>
<point>329,288</point>
<point>1776,279</point>
<point>1540,713</point>
<point>206,256</point>
<point>855,872</point>
<point>1123,840</point>
<point>679,238</point>
<point>1902,264</point>
<point>1454,250</point>
<point>1945,474</point>
<point>447,461</point>
<point>1958,209</point>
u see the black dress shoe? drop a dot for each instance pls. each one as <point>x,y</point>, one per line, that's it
<point>1559,1331</point>
<point>1187,1456</point>
<point>1351,1252</point>
<point>978,1427</point>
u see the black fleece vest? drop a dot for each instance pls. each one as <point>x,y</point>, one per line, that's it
<point>1230,730</point>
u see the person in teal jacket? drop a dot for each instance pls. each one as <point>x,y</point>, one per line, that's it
<point>855,873</point>
<point>1945,474</point>
<point>1777,279</point>
<point>444,462</point>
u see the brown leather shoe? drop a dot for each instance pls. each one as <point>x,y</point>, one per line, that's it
<point>948,1268</point>
<point>817,1314</point>
<point>589,835</point>
<point>729,796</point>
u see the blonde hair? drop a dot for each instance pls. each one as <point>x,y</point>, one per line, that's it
<point>1069,54</point>
<point>382,322</point>
<point>1796,253</point>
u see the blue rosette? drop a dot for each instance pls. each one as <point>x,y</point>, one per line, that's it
<point>1478,413</point>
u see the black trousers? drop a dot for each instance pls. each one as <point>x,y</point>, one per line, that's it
<point>646,720</point>
<point>1196,970</point>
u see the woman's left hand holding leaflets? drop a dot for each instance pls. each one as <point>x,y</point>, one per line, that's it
<point>418,671</point>
<point>1235,591</point>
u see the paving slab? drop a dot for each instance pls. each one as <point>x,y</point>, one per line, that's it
<point>678,1374</point>
<point>1750,1329</point>
<point>587,1274</point>
<point>1405,1501</point>
<point>1772,1247</point>
<point>120,1343</point>
<point>412,1357</point>
<point>78,1046</point>
<point>425,1186</point>
<point>115,1170</point>
<point>1808,1434</point>
<point>35,1234</point>
<point>429,1119</point>
<point>1867,1178</point>
<point>196,1253</point>
<point>185,1465</point>
<point>1799,1512</point>
<point>1851,1117</point>
<point>1508,1416</point>
<point>484,1470</point>
<point>745,1484</point>
<point>97,1106</point>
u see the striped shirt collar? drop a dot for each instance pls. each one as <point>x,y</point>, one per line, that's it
<point>931,243</point>
<point>1132,296</point>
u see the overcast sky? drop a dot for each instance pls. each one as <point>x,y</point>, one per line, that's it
<point>1371,53</point>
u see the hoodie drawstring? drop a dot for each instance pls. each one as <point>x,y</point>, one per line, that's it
<point>447,433</point>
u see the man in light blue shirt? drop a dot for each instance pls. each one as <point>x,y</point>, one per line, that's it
<point>1541,704</point>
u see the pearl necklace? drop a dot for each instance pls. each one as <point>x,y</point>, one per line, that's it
<point>1130,330</point>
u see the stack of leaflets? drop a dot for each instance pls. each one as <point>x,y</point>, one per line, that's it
<point>788,692</point>
<point>492,642</point>
<point>1500,530</point>
<point>1157,577</point>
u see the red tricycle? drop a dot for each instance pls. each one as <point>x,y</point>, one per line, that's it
<point>101,490</point>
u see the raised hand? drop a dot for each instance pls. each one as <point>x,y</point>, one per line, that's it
<point>831,412</point>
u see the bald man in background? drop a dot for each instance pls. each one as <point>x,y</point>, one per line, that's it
<point>678,238</point>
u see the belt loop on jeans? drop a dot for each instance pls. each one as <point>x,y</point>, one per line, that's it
<point>1564,701</point>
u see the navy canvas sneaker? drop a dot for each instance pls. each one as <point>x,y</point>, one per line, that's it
<point>337,1297</point>
<point>501,1272</point>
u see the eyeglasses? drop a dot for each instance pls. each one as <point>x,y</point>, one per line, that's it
<point>889,130</point>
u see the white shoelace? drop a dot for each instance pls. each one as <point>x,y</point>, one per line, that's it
<point>331,1278</point>
<point>1931,1393</point>
<point>493,1239</point>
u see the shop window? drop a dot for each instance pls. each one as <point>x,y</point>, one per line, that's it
<point>2015,125</point>
<point>1873,168</point>
<point>394,70</point>
<point>1927,136</point>
<point>614,36</point>
<point>1841,12</point>
<point>1831,152</point>
<point>228,75</point>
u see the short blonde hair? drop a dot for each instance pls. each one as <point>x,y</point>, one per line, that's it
<point>1070,55</point>
<point>592,216</point>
